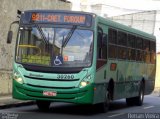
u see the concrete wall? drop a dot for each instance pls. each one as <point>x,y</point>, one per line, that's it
<point>8,14</point>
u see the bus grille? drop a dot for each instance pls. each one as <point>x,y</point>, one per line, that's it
<point>46,79</point>
<point>51,87</point>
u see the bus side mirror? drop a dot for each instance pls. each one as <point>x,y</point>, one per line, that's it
<point>10,32</point>
<point>9,37</point>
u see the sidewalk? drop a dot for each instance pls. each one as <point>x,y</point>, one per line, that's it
<point>156,93</point>
<point>8,101</point>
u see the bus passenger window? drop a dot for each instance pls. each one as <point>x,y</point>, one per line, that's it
<point>131,41</point>
<point>101,49</point>
<point>112,35</point>
<point>112,53</point>
<point>99,45</point>
<point>131,54</point>
<point>104,46</point>
<point>140,55</point>
<point>122,38</point>
<point>153,52</point>
<point>147,55</point>
<point>146,44</point>
<point>112,48</point>
<point>152,46</point>
<point>122,53</point>
<point>153,57</point>
<point>139,43</point>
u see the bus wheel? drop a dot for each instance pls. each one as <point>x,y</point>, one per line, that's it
<point>139,99</point>
<point>104,106</point>
<point>43,105</point>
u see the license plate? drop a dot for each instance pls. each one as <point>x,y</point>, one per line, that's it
<point>49,93</point>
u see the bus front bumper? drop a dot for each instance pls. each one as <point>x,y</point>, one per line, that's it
<point>74,95</point>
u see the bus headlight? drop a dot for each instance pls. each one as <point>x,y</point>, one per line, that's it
<point>17,77</point>
<point>85,81</point>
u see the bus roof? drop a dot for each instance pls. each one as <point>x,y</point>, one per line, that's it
<point>122,27</point>
<point>60,11</point>
<point>108,22</point>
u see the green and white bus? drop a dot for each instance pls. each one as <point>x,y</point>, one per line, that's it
<point>82,58</point>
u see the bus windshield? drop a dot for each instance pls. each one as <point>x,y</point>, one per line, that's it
<point>55,47</point>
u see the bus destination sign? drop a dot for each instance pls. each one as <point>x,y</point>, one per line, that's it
<point>61,18</point>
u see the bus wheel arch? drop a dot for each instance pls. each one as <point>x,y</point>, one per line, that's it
<point>139,99</point>
<point>143,82</point>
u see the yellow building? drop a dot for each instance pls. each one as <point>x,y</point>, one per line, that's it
<point>157,83</point>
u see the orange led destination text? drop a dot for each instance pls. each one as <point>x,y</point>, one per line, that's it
<point>50,17</point>
<point>74,19</point>
<point>57,18</point>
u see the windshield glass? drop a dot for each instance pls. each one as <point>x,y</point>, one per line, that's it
<point>60,47</point>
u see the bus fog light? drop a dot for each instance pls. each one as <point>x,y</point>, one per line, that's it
<point>19,79</point>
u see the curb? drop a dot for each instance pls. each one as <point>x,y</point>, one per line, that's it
<point>18,104</point>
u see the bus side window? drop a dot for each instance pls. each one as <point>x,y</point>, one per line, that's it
<point>153,57</point>
<point>112,36</point>
<point>99,45</point>
<point>122,38</point>
<point>101,48</point>
<point>146,47</point>
<point>139,43</point>
<point>112,48</point>
<point>153,52</point>
<point>122,44</point>
<point>104,46</point>
<point>122,52</point>
<point>139,47</point>
<point>131,47</point>
<point>140,55</point>
<point>131,54</point>
<point>112,52</point>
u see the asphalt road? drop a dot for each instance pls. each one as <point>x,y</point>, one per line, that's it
<point>118,110</point>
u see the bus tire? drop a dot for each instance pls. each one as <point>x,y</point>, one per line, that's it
<point>130,101</point>
<point>139,99</point>
<point>43,105</point>
<point>104,106</point>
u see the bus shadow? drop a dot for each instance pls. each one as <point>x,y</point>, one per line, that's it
<point>86,110</point>
<point>74,109</point>
<point>118,105</point>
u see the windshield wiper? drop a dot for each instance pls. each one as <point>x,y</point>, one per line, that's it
<point>69,35</point>
<point>42,34</point>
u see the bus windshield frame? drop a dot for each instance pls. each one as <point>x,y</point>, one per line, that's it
<point>55,59</point>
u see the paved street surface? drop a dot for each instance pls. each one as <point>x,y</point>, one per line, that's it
<point>8,101</point>
<point>118,110</point>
